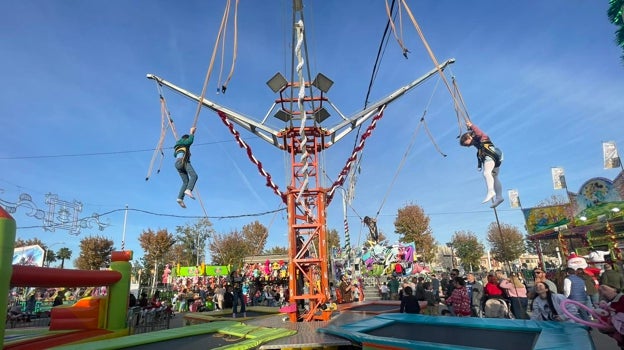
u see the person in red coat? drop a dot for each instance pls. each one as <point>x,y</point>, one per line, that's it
<point>491,289</point>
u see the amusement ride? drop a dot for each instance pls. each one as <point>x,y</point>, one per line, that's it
<point>303,106</point>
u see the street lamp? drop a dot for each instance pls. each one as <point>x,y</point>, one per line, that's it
<point>45,253</point>
<point>450,245</point>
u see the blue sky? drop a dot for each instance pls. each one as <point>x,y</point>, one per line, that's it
<point>543,78</point>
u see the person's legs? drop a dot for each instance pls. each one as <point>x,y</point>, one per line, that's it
<point>235,306</point>
<point>192,176</point>
<point>243,308</point>
<point>179,164</point>
<point>488,167</point>
<point>594,300</point>
<point>498,188</point>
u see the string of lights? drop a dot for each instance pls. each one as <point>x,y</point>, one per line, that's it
<point>170,215</point>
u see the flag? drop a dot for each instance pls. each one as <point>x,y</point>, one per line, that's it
<point>610,155</point>
<point>514,199</point>
<point>558,178</point>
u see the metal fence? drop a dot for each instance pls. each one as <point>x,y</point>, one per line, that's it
<point>27,320</point>
<point>148,320</point>
<point>139,320</point>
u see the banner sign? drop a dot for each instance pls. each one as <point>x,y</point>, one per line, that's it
<point>541,219</point>
<point>31,255</point>
<point>558,178</point>
<point>514,198</point>
<point>209,270</point>
<point>610,155</point>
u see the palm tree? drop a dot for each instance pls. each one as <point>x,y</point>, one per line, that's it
<point>616,16</point>
<point>50,257</point>
<point>64,254</point>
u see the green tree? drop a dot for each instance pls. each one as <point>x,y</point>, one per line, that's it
<point>507,242</point>
<point>412,225</point>
<point>276,251</point>
<point>191,243</point>
<point>94,253</point>
<point>468,249</point>
<point>616,16</point>
<point>34,241</point>
<point>64,254</point>
<point>333,238</point>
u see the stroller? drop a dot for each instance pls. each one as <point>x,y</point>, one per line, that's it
<point>497,308</point>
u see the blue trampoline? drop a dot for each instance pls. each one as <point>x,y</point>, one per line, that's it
<point>409,331</point>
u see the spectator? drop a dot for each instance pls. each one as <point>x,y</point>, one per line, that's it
<point>384,291</point>
<point>451,283</point>
<point>143,301</point>
<point>491,289</point>
<point>591,287</point>
<point>435,284</point>
<point>31,303</point>
<point>430,298</point>
<point>574,289</point>
<point>475,292</point>
<point>409,303</point>
<point>517,294</point>
<point>268,296</point>
<point>237,298</point>
<point>547,305</point>
<point>459,300</point>
<point>356,292</point>
<point>132,300</point>
<point>613,296</point>
<point>393,287</point>
<point>58,300</point>
<point>612,277</point>
<point>219,295</point>
<point>346,290</point>
<point>540,276</point>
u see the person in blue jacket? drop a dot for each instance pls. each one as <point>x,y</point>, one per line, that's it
<point>182,153</point>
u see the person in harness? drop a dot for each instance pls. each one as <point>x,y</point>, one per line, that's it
<point>489,158</point>
<point>182,153</point>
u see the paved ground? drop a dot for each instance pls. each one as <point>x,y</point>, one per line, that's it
<point>603,341</point>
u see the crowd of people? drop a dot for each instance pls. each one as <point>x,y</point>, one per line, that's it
<point>501,295</point>
<point>252,285</point>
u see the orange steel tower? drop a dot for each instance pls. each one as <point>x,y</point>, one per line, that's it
<point>301,106</point>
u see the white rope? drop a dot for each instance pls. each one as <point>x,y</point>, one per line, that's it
<point>303,139</point>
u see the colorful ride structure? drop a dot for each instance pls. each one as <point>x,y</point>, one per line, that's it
<point>90,318</point>
<point>302,107</point>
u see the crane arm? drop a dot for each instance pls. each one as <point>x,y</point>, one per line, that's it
<point>345,127</point>
<point>264,132</point>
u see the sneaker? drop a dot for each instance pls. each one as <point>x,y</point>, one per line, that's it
<point>489,196</point>
<point>181,202</point>
<point>497,201</point>
<point>189,194</point>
